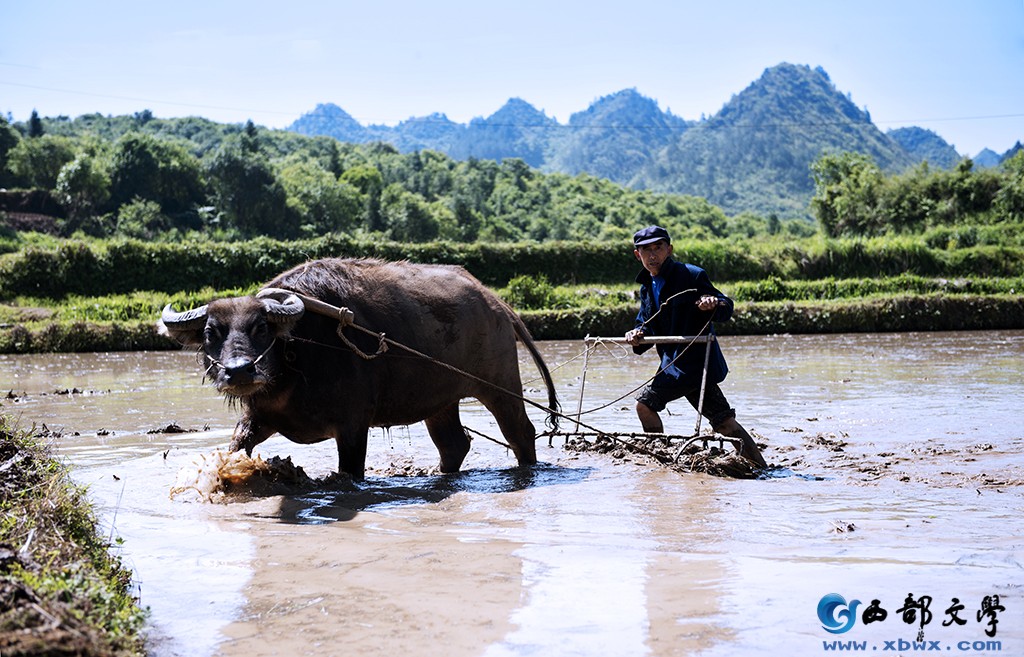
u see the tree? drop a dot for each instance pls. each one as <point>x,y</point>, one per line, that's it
<point>250,138</point>
<point>370,183</point>
<point>37,162</point>
<point>35,125</point>
<point>972,191</point>
<point>1009,201</point>
<point>147,168</point>
<point>407,215</point>
<point>142,220</point>
<point>846,193</point>
<point>135,169</point>
<point>321,202</point>
<point>9,138</point>
<point>475,182</point>
<point>250,196</point>
<point>82,188</point>
<point>459,222</point>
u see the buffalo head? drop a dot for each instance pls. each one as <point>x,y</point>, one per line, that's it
<point>237,337</point>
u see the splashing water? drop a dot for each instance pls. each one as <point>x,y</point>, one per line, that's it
<point>215,476</point>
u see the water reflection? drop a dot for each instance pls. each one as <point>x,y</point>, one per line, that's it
<point>379,493</point>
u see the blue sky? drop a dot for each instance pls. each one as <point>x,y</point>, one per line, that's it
<point>952,66</point>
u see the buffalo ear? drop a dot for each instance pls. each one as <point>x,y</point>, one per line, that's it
<point>187,337</point>
<point>186,327</point>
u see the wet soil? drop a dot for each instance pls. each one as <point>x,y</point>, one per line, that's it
<point>679,455</point>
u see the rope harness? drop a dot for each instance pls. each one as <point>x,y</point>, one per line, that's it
<point>346,319</point>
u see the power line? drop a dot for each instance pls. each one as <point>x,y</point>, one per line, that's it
<point>954,118</point>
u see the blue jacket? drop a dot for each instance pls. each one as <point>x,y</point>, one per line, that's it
<point>684,284</point>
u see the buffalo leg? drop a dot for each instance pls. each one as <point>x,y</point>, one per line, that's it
<point>449,437</point>
<point>515,426</point>
<point>247,434</point>
<point>352,453</point>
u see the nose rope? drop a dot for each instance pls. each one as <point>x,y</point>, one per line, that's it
<point>258,358</point>
<point>265,351</point>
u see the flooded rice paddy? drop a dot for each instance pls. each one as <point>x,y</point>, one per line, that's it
<point>898,478</point>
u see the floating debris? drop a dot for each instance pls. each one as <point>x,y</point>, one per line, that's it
<point>843,527</point>
<point>17,397</point>
<point>405,468</point>
<point>830,442</point>
<point>173,427</point>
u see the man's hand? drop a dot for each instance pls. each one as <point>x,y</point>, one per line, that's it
<point>634,337</point>
<point>707,302</point>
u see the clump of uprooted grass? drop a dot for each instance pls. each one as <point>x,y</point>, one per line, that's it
<point>62,591</point>
<point>220,475</point>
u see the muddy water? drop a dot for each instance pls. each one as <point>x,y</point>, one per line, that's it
<point>899,472</point>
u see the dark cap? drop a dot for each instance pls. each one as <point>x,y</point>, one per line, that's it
<point>650,235</point>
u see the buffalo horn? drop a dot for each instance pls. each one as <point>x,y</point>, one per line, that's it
<point>184,321</point>
<point>283,306</point>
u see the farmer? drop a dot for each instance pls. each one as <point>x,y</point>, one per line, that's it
<point>679,299</point>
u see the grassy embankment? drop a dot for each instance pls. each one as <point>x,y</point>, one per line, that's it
<point>62,591</point>
<point>106,296</point>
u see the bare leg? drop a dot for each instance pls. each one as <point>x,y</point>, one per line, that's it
<point>248,433</point>
<point>731,428</point>
<point>649,419</point>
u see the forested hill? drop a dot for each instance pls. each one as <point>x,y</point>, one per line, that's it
<point>754,154</point>
<point>615,138</point>
<point>926,146</point>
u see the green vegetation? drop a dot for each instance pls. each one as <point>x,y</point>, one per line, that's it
<point>168,180</point>
<point>854,197</point>
<point>103,267</point>
<point>898,303</point>
<point>63,591</point>
<point>769,304</point>
<point>135,212</point>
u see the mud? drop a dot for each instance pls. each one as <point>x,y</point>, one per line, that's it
<point>682,456</point>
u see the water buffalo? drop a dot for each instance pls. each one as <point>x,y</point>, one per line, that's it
<point>293,373</point>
